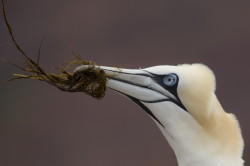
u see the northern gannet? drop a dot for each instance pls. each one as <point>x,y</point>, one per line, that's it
<point>182,102</point>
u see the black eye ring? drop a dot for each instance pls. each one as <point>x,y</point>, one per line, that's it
<point>170,79</point>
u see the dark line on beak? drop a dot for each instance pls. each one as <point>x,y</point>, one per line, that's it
<point>154,101</point>
<point>145,109</point>
<point>137,101</point>
<point>146,74</point>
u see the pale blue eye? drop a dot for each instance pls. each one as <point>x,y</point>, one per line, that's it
<point>170,80</point>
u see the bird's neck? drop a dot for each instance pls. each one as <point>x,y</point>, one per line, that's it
<point>202,158</point>
<point>192,144</point>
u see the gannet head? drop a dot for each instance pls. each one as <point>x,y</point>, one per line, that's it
<point>182,102</point>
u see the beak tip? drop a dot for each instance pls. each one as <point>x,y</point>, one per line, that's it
<point>80,68</point>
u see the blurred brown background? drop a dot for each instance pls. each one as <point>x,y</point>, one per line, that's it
<point>42,126</point>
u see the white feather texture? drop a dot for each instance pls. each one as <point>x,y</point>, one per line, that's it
<point>206,135</point>
<point>203,134</point>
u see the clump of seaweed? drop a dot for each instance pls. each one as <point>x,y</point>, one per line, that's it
<point>91,81</point>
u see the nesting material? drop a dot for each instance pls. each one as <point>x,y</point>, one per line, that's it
<point>91,81</point>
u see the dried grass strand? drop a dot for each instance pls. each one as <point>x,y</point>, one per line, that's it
<point>91,81</point>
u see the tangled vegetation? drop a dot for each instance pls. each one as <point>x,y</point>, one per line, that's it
<point>91,81</point>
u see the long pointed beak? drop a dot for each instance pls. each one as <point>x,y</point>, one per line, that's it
<point>136,83</point>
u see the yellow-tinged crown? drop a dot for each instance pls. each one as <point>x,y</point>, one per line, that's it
<point>196,91</point>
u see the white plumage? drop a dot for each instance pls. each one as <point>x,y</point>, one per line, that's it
<point>182,102</point>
